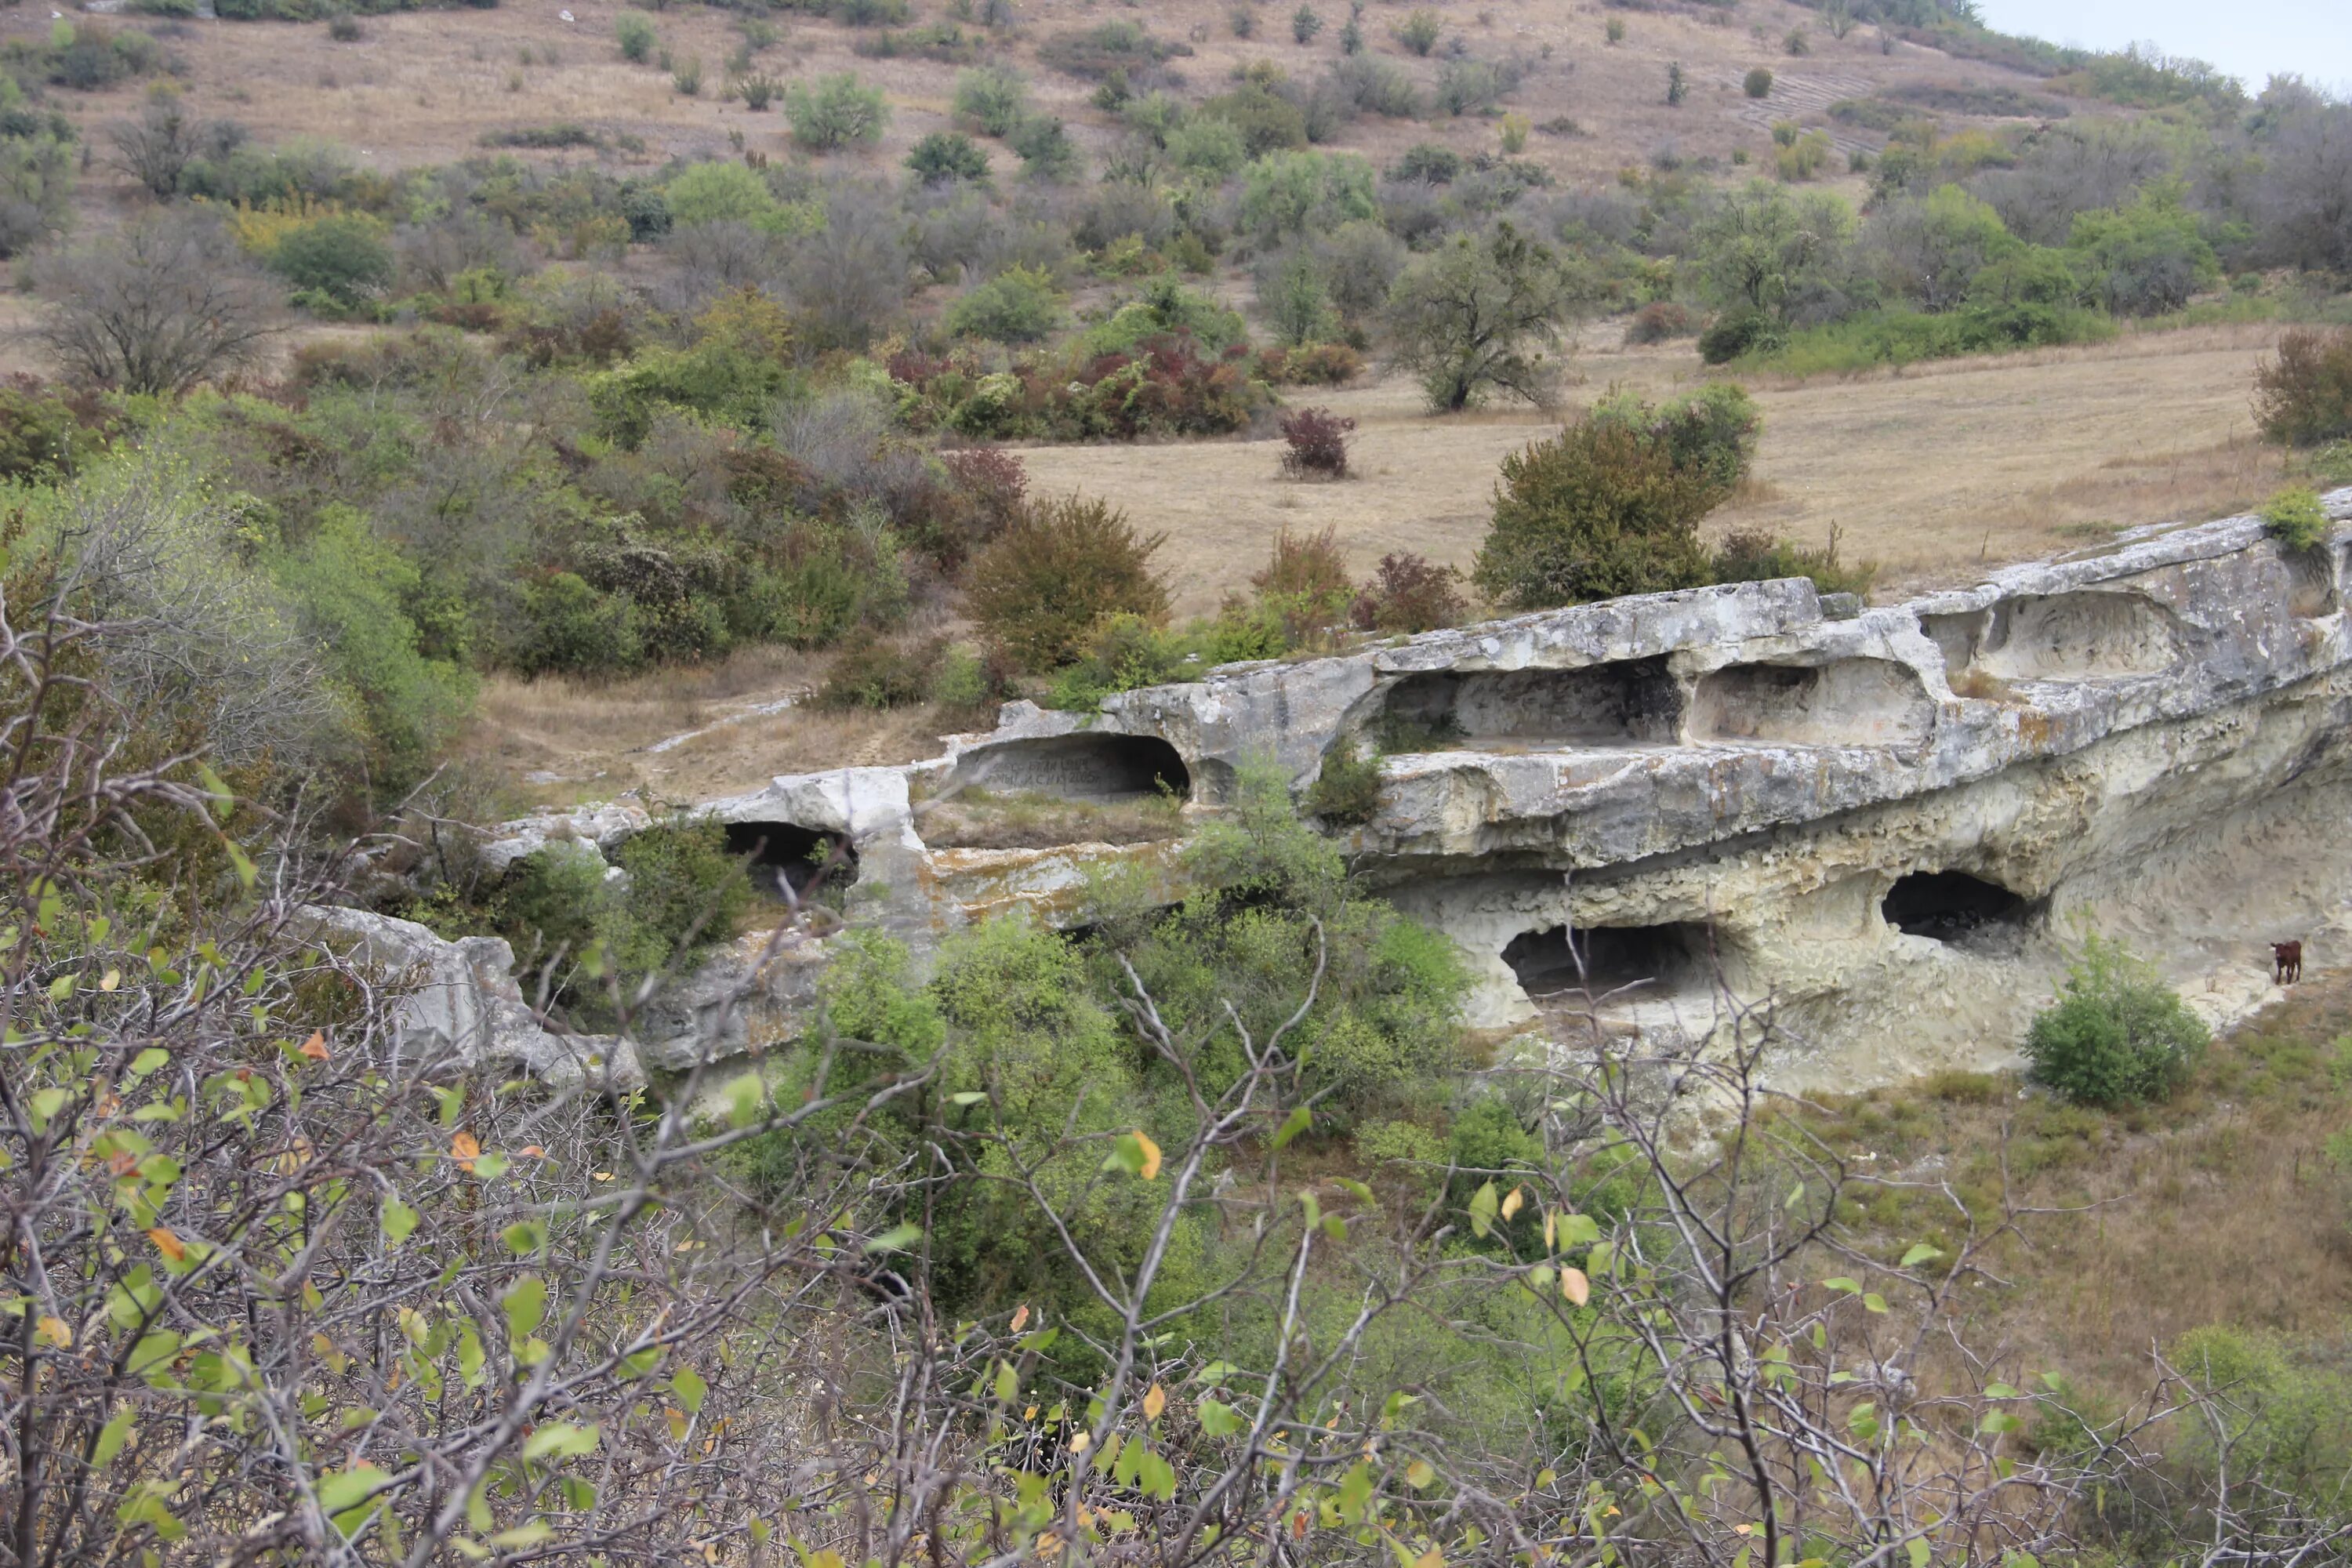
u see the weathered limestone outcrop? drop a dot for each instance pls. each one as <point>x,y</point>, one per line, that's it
<point>458,1003</point>
<point>1887,819</point>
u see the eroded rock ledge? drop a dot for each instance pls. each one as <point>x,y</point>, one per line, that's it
<point>1888,821</point>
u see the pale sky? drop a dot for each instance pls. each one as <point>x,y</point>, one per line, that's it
<point>2248,39</point>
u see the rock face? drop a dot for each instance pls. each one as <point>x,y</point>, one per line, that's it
<point>1888,821</point>
<point>458,1001</point>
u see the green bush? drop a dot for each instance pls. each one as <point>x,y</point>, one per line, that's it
<point>637,36</point>
<point>1419,31</point>
<point>1755,555</point>
<point>719,192</point>
<point>1595,511</point>
<point>685,889</point>
<point>1020,305</point>
<point>945,156</point>
<point>1044,148</point>
<point>341,261</point>
<point>2302,393</point>
<point>1757,83</point>
<point>1711,432</point>
<point>569,628</point>
<point>1347,791</point>
<point>2296,520</point>
<point>838,110</point>
<point>873,672</point>
<point>1065,566</point>
<point>2117,1034</point>
<point>991,100</point>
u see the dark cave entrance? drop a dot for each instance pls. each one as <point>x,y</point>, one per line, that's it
<point>1950,905</point>
<point>1660,960</point>
<point>784,855</point>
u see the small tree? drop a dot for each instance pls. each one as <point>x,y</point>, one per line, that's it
<point>157,148</point>
<point>1478,316</point>
<point>1041,588</point>
<point>945,156</point>
<point>838,110</point>
<point>1592,512</point>
<point>1296,303</point>
<point>1677,88</point>
<point>338,261</point>
<point>1757,83</point>
<point>2296,520</point>
<point>636,36</point>
<point>2117,1033</point>
<point>2302,393</point>
<point>1019,305</point>
<point>1305,23</point>
<point>1419,31</point>
<point>991,100</point>
<point>159,306</point>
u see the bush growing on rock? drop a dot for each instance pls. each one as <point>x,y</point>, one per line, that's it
<point>2296,520</point>
<point>2117,1034</point>
<point>1592,512</point>
<point>1066,565</point>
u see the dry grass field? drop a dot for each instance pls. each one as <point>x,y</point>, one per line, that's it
<point>1937,472</point>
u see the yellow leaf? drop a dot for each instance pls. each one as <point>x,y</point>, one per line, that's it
<point>1080,1442</point>
<point>1575,1286</point>
<point>1155,1400</point>
<point>1150,1171</point>
<point>109,980</point>
<point>1551,1230</point>
<point>1419,1474</point>
<point>1020,1317</point>
<point>1030,1414</point>
<point>57,1330</point>
<point>1512,1201</point>
<point>1432,1558</point>
<point>169,1245</point>
<point>463,1148</point>
<point>315,1047</point>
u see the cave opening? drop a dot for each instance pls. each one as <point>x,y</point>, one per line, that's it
<point>1625,702</point>
<point>1096,767</point>
<point>785,856</point>
<point>1661,960</point>
<point>1950,905</point>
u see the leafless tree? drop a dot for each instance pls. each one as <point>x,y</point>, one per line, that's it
<point>165,303</point>
<point>157,148</point>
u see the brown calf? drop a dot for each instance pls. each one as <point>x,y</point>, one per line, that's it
<point>2286,961</point>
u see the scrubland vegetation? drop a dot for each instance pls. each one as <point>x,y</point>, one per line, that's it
<point>1206,1232</point>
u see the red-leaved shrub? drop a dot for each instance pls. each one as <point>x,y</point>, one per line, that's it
<point>1660,320</point>
<point>1319,444</point>
<point>1409,593</point>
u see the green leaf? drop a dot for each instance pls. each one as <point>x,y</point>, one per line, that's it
<point>969,1096</point>
<point>1483,1205</point>
<point>1157,1477</point>
<point>561,1440</point>
<point>1917,1547</point>
<point>1851,1286</point>
<point>154,1058</point>
<point>897,1239</point>
<point>1355,1492</point>
<point>522,1535</point>
<point>1356,1189</point>
<point>1008,1382</point>
<point>689,1387</point>
<point>1873,1301</point>
<point>110,1438</point>
<point>1578,1230</point>
<point>2000,1391</point>
<point>1218,1419</point>
<point>1297,1122</point>
<point>1998,1420</point>
<point>1921,1252</point>
<point>526,1305</point>
<point>524,1237</point>
<point>242,863</point>
<point>223,799</point>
